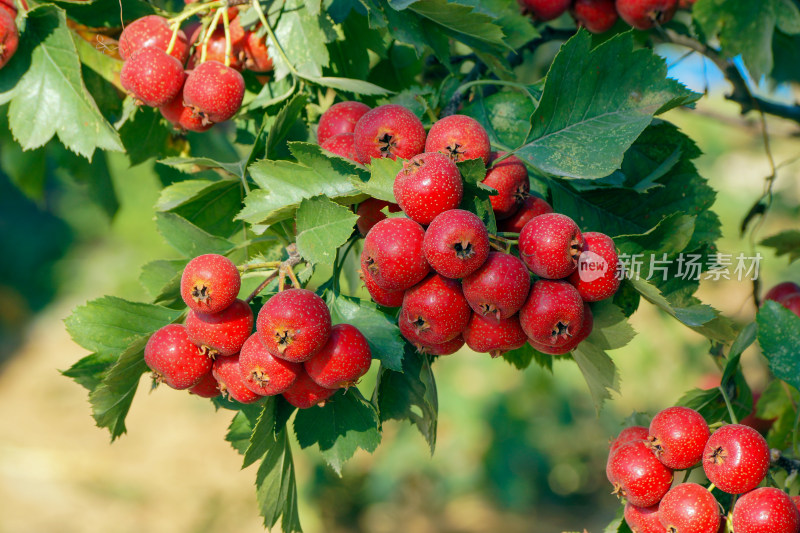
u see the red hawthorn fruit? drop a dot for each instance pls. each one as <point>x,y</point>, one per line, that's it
<point>597,16</point>
<point>553,313</point>
<point>305,393</point>
<point>429,184</point>
<point>9,37</point>
<point>736,458</point>
<point>678,436</point>
<point>369,213</point>
<point>460,138</point>
<point>533,206</point>
<point>182,117</point>
<point>499,288</point>
<point>686,4</point>
<point>629,434</point>
<point>765,510</point>
<point>545,10</point>
<point>294,325</point>
<point>343,145</point>
<point>380,295</point>
<point>173,358</point>
<point>584,331</point>
<point>689,508</point>
<point>216,48</point>
<point>596,277</point>
<point>340,118</point>
<point>446,348</point>
<point>263,373</point>
<point>456,243</point>
<point>221,333</point>
<point>643,519</point>
<point>388,131</point>
<point>550,245</point>
<point>207,387</point>
<point>434,311</point>
<point>152,77</point>
<point>637,475</point>
<point>154,31</point>
<point>493,337</point>
<point>214,91</point>
<point>792,303</point>
<point>256,53</point>
<point>644,14</point>
<point>781,291</point>
<point>210,283</point>
<point>796,501</point>
<point>228,374</point>
<point>9,7</point>
<point>342,361</point>
<point>393,254</point>
<point>509,178</point>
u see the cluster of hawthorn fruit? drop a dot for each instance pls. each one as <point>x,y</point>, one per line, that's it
<point>735,459</point>
<point>295,350</point>
<point>599,16</point>
<point>436,263</point>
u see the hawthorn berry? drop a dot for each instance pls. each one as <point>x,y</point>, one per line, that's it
<point>429,184</point>
<point>629,434</point>
<point>9,7</point>
<point>369,213</point>
<point>305,393</point>
<point>434,311</point>
<point>765,510</point>
<point>550,245</point>
<point>173,358</point>
<point>294,325</point>
<point>446,348</point>
<point>509,178</point>
<point>637,475</point>
<point>499,288</point>
<point>781,291</point>
<point>182,117</point>
<point>214,91</point>
<point>228,374</point>
<point>689,508</point>
<point>256,53</point>
<point>263,373</point>
<point>342,361</point>
<point>584,331</point>
<point>597,16</point>
<point>736,458</point>
<point>686,4</point>
<point>210,283</point>
<point>393,254</point>
<point>596,277</point>
<point>216,49</point>
<point>532,206</point>
<point>153,31</point>
<point>644,14</point>
<point>460,138</point>
<point>207,387</point>
<point>221,333</point>
<point>545,10</point>
<point>9,37</point>
<point>552,314</point>
<point>792,303</point>
<point>340,118</point>
<point>342,145</point>
<point>643,519</point>
<point>492,336</point>
<point>678,436</point>
<point>456,243</point>
<point>388,131</point>
<point>152,77</point>
<point>380,295</point>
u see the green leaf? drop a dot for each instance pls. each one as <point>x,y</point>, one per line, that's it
<point>460,21</point>
<point>671,236</point>
<point>322,227</point>
<point>54,77</point>
<point>595,104</point>
<point>191,165</point>
<point>521,358</point>
<point>144,135</point>
<point>89,371</point>
<point>381,180</point>
<point>618,525</point>
<point>598,370</point>
<point>263,436</point>
<point>505,115</point>
<point>476,194</point>
<point>241,427</point>
<point>276,488</point>
<point>610,330</point>
<point>162,279</point>
<point>785,243</point>
<point>284,120</point>
<point>350,85</point>
<point>344,424</point>
<point>206,204</point>
<point>302,36</point>
<point>779,337</point>
<point>187,238</point>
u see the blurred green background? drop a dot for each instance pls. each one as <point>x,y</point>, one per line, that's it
<point>517,451</point>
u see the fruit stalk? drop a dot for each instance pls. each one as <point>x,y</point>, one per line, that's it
<point>210,32</point>
<point>226,23</point>
<point>271,34</point>
<point>284,268</point>
<point>728,404</point>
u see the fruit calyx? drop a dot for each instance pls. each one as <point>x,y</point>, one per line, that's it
<point>454,152</point>
<point>284,338</point>
<point>488,309</point>
<point>387,143</point>
<point>718,455</point>
<point>464,249</point>
<point>200,292</point>
<point>561,330</point>
<point>260,377</point>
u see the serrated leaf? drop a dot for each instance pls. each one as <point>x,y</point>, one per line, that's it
<point>785,243</point>
<point>239,431</point>
<point>302,36</point>
<point>187,238</point>
<point>89,371</point>
<point>610,330</point>
<point>322,227</point>
<point>670,236</point>
<point>276,488</point>
<point>191,165</point>
<point>162,280</point>
<point>618,525</point>
<point>380,184</point>
<point>344,424</point>
<point>350,85</point>
<point>521,358</point>
<point>263,436</point>
<point>779,337</point>
<point>506,116</point>
<point>598,370</point>
<point>284,120</point>
<point>206,204</point>
<point>144,135</point>
<point>470,25</point>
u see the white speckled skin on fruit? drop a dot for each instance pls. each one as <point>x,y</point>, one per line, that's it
<point>492,336</point>
<point>380,295</point>
<point>434,311</point>
<point>152,77</point>
<point>545,10</point>
<point>342,144</point>
<point>223,332</point>
<point>389,131</point>
<point>643,14</point>
<point>210,283</point>
<point>765,510</point>
<point>689,508</point>
<point>263,373</point>
<point>456,243</point>
<point>550,245</point>
<point>459,137</point>
<point>446,348</point>
<point>643,519</point>
<point>393,254</point>
<point>584,331</point>
<point>597,16</point>
<point>175,360</point>
<point>294,325</point>
<point>229,376</point>
<point>533,206</point>
<point>214,90</point>
<point>509,178</point>
<point>342,361</point>
<point>637,475</point>
<point>678,435</point>
<point>553,313</point>
<point>736,458</point>
<point>340,118</point>
<point>499,288</point>
<point>606,285</point>
<point>429,184</point>
<point>152,30</point>
<point>305,394</point>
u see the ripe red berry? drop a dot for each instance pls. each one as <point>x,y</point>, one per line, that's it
<point>499,288</point>
<point>550,245</point>
<point>643,519</point>
<point>765,510</point>
<point>369,213</point>
<point>637,475</point>
<point>152,77</point>
<point>796,501</point>
<point>533,206</point>
<point>545,9</point>
<point>393,254</point>
<point>221,333</point>
<point>294,325</point>
<point>182,117</point>
<point>263,373</point>
<point>736,458</point>
<point>228,374</point>
<point>342,361</point>
<point>207,387</point>
<point>256,53</point>
<point>460,138</point>
<point>678,436</point>
<point>644,14</point>
<point>629,434</point>
<point>9,7</point>
<point>689,508</point>
<point>584,331</point>
<point>597,16</point>
<point>9,37</point>
<point>305,393</point>
<point>380,295</point>
<point>154,31</point>
<point>343,145</point>
<point>216,49</point>
<point>340,118</point>
<point>210,283</point>
<point>446,348</point>
<point>173,358</point>
<point>434,311</point>
<point>792,303</point>
<point>389,131</point>
<point>782,291</point>
<point>596,277</point>
<point>492,336</point>
<point>553,313</point>
<point>509,178</point>
<point>214,91</point>
<point>456,243</point>
<point>428,184</point>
